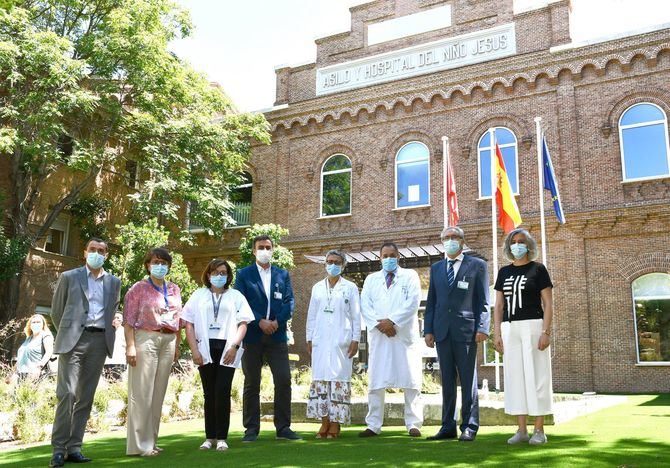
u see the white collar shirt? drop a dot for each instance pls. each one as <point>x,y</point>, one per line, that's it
<point>457,263</point>
<point>266,278</point>
<point>96,299</point>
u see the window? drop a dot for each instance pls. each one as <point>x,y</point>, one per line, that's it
<point>132,174</point>
<point>240,197</point>
<point>412,175</point>
<point>57,238</point>
<point>643,137</point>
<point>508,147</point>
<point>651,304</point>
<point>191,210</point>
<point>336,186</point>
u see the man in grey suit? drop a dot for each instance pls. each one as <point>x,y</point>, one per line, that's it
<point>457,318</point>
<point>82,311</point>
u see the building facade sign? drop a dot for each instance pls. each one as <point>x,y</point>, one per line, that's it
<point>468,49</point>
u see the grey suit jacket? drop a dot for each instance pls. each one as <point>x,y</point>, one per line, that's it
<point>69,308</point>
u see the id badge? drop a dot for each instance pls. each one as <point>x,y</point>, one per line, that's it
<point>215,326</point>
<point>327,310</point>
<point>278,295</point>
<point>166,315</point>
<point>463,285</point>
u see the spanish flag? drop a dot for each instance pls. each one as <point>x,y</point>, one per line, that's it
<point>508,213</point>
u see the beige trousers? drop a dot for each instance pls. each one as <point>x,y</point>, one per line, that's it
<point>147,384</point>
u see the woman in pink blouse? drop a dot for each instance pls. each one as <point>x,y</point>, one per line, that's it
<point>151,313</point>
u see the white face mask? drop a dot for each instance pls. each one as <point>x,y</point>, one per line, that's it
<point>264,256</point>
<point>36,328</point>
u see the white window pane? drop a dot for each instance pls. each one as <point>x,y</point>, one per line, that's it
<point>652,285</point>
<point>412,151</point>
<point>645,151</point>
<point>412,174</point>
<point>640,113</point>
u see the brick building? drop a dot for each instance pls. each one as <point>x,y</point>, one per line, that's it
<point>356,159</point>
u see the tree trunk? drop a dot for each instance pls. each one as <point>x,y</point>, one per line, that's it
<point>10,292</point>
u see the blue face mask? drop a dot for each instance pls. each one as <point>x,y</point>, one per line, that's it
<point>518,250</point>
<point>218,281</point>
<point>389,263</point>
<point>451,246</point>
<point>158,271</point>
<point>333,269</point>
<point>94,260</point>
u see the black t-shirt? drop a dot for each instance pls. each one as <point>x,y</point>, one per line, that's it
<point>521,286</point>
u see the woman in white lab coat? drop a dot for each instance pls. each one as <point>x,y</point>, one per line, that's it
<point>333,332</point>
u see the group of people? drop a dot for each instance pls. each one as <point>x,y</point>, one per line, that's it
<point>246,326</point>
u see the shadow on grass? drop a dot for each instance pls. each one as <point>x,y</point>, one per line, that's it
<point>662,399</point>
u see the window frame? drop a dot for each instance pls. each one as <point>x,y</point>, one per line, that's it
<point>637,343</point>
<point>337,171</point>
<point>492,149</point>
<point>622,156</point>
<point>412,161</point>
<point>62,224</point>
<point>195,230</point>
<point>244,186</point>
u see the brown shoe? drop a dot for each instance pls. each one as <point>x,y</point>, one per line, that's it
<point>367,433</point>
<point>414,432</point>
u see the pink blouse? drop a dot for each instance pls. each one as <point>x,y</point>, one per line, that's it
<point>144,307</point>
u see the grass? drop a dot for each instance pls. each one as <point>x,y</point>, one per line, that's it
<point>634,434</point>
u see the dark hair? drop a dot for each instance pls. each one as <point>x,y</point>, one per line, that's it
<point>158,252</point>
<point>95,239</point>
<point>389,244</point>
<point>212,266</point>
<point>262,237</point>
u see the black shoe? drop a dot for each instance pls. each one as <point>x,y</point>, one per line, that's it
<point>250,437</point>
<point>468,435</point>
<point>441,435</point>
<point>367,433</point>
<point>57,460</point>
<point>288,434</point>
<point>77,457</point>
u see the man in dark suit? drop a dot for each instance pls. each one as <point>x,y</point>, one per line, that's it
<point>268,291</point>
<point>457,318</point>
<point>82,311</point>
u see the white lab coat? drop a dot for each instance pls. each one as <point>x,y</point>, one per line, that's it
<point>393,362</point>
<point>332,333</point>
<point>233,310</point>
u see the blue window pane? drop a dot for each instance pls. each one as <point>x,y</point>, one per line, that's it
<point>645,151</point>
<point>503,137</point>
<point>509,157</point>
<point>640,113</point>
<point>338,161</point>
<point>412,184</point>
<point>412,151</point>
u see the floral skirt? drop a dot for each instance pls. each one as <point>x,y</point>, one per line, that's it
<point>331,400</point>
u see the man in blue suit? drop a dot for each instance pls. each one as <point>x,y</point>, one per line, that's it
<point>268,291</point>
<point>457,318</point>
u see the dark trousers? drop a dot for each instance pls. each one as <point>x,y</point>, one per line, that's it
<point>461,357</point>
<point>216,383</point>
<point>276,355</point>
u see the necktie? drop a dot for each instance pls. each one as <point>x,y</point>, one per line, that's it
<point>450,272</point>
<point>389,280</point>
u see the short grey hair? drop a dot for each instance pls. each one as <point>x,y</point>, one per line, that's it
<point>530,243</point>
<point>456,229</point>
<point>338,253</point>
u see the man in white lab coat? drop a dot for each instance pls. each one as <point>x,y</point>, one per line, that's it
<point>389,306</point>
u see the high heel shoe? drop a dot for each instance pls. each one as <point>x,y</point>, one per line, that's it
<point>333,434</point>
<point>323,430</point>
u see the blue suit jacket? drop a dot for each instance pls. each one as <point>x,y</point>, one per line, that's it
<point>455,312</point>
<point>249,283</point>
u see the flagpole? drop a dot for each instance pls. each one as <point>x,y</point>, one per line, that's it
<point>540,185</point>
<point>445,165</point>
<point>494,236</point>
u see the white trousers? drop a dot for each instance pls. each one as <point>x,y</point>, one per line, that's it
<point>527,370</point>
<point>147,384</point>
<point>413,409</point>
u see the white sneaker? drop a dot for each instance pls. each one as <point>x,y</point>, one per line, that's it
<point>207,444</point>
<point>538,438</point>
<point>221,445</point>
<point>518,438</point>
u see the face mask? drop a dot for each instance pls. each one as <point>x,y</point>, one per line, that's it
<point>36,327</point>
<point>218,281</point>
<point>264,256</point>
<point>389,263</point>
<point>95,260</point>
<point>158,271</point>
<point>518,250</point>
<point>333,270</point>
<point>451,246</point>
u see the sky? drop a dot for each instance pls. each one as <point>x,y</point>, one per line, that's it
<point>239,43</point>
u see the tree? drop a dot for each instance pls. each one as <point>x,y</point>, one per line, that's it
<point>281,256</point>
<point>89,86</point>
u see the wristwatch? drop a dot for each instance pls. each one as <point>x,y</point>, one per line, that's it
<point>236,346</point>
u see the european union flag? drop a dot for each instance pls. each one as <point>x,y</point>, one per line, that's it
<point>550,181</point>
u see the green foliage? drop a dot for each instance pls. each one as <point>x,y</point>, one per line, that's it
<point>89,214</point>
<point>281,257</point>
<point>12,249</point>
<point>135,241</point>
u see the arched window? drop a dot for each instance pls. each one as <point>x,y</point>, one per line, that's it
<point>412,175</point>
<point>508,147</point>
<point>643,136</point>
<point>336,186</point>
<point>240,196</point>
<point>651,304</point>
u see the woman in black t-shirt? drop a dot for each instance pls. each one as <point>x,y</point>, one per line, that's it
<point>522,326</point>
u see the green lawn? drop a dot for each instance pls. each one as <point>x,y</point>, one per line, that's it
<point>635,434</point>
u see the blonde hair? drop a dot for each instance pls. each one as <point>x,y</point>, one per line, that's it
<point>45,327</point>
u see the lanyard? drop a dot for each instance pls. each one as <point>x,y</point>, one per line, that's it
<point>165,292</point>
<point>329,294</point>
<point>216,305</point>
